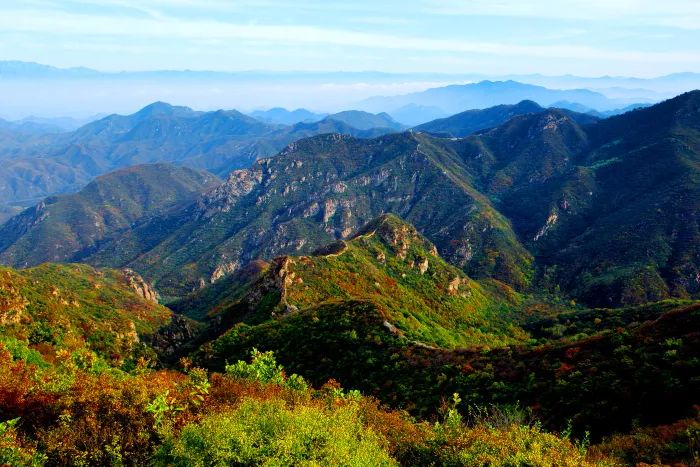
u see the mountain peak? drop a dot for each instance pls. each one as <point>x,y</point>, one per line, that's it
<point>395,233</point>
<point>156,108</point>
<point>470,121</point>
<point>528,105</point>
<point>162,108</point>
<point>364,120</point>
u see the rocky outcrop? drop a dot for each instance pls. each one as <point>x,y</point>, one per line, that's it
<point>142,288</point>
<point>12,302</point>
<point>223,269</point>
<point>551,222</point>
<point>423,266</point>
<point>238,184</point>
<point>458,286</point>
<point>129,336</point>
<point>397,234</point>
<point>171,338</point>
<point>273,284</point>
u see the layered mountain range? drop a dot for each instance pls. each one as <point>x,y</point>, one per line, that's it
<point>601,210</point>
<point>37,164</point>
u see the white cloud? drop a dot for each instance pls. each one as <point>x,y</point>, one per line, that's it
<point>683,14</point>
<point>145,28</point>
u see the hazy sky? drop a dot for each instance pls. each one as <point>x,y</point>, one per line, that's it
<point>584,37</point>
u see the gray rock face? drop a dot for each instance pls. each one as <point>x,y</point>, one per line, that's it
<point>171,338</point>
<point>238,184</point>
<point>140,286</point>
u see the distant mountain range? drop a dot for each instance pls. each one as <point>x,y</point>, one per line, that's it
<point>456,98</point>
<point>580,108</point>
<point>31,126</point>
<point>38,162</point>
<point>365,121</point>
<point>283,116</point>
<point>45,91</point>
<point>42,159</point>
<point>353,118</point>
<point>413,114</point>
<point>661,84</point>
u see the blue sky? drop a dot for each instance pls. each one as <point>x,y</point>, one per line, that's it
<point>584,37</point>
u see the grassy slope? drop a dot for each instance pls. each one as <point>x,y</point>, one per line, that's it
<point>53,308</point>
<point>382,265</point>
<point>389,264</point>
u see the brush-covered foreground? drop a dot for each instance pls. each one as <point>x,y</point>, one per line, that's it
<point>74,413</point>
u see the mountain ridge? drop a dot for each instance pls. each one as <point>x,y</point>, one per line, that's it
<point>112,203</point>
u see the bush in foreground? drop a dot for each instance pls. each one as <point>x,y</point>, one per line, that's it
<point>254,414</point>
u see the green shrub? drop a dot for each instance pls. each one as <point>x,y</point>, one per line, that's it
<point>271,433</point>
<point>515,445</point>
<point>21,351</point>
<point>12,453</point>
<point>264,368</point>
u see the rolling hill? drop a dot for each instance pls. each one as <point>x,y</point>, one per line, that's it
<point>389,264</point>
<point>70,227</point>
<point>76,308</point>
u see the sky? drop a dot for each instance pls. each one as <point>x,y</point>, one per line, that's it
<point>584,37</point>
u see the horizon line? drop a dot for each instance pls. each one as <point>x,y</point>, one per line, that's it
<point>339,72</point>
